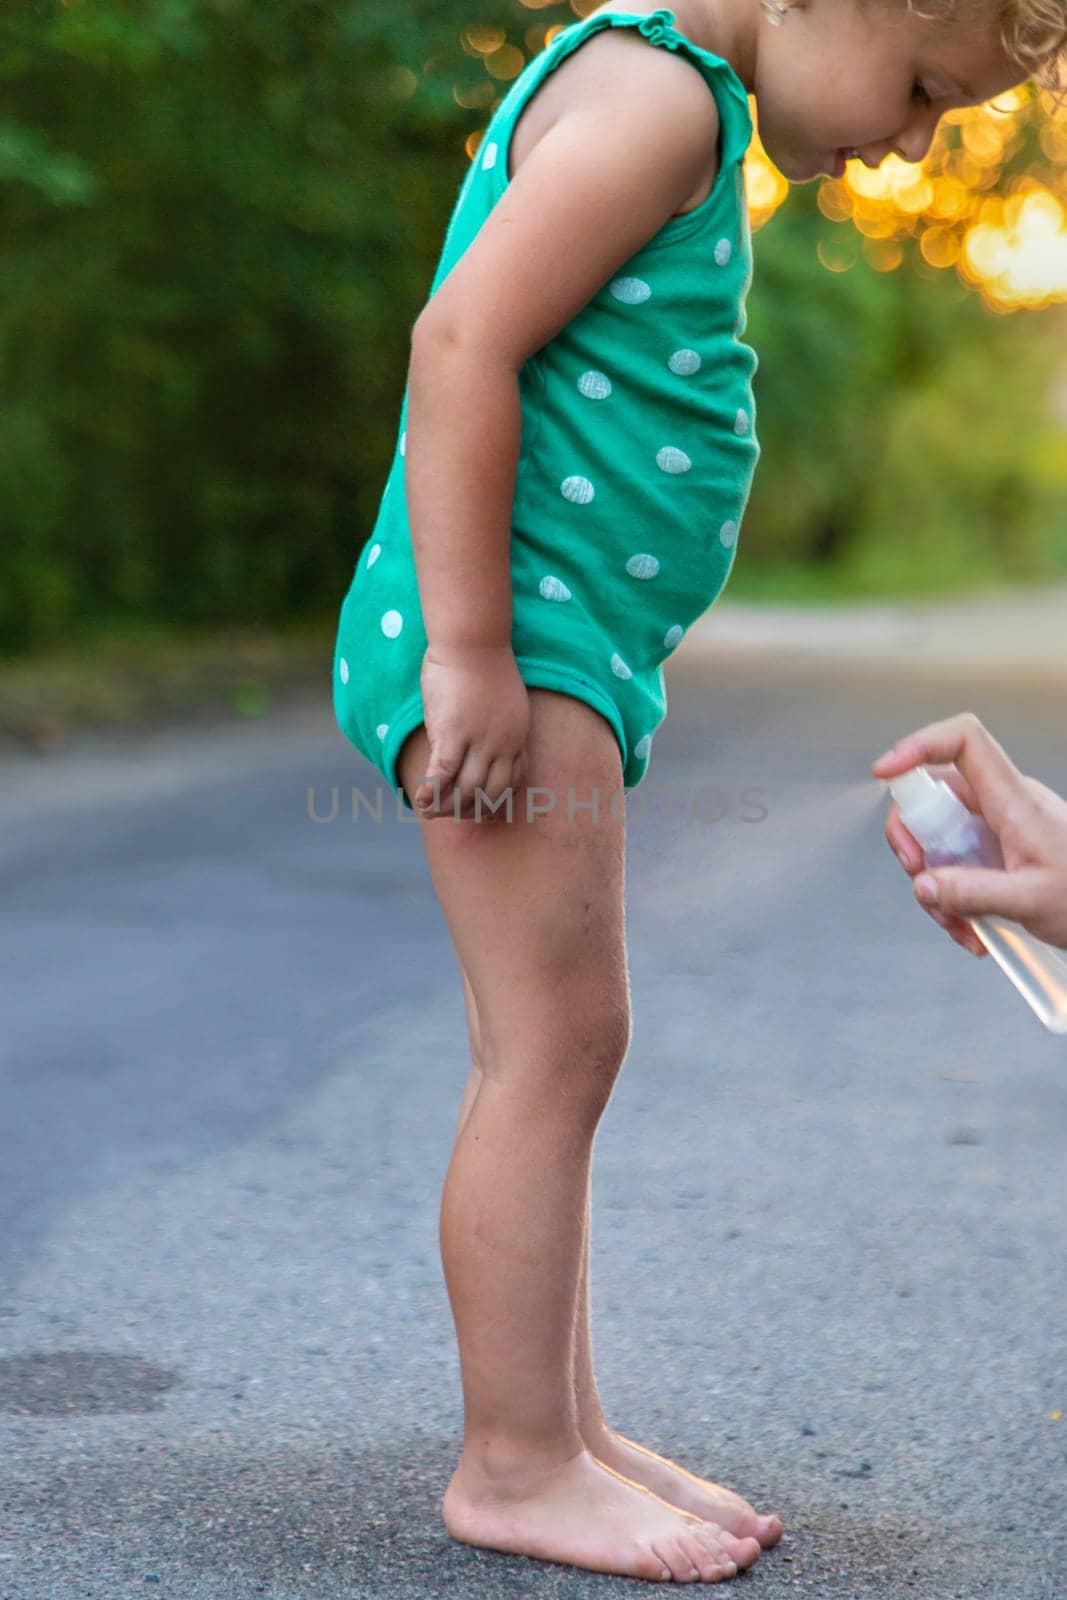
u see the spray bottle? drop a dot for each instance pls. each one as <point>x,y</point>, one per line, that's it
<point>951,834</point>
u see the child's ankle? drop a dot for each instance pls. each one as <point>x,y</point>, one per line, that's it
<point>510,1464</point>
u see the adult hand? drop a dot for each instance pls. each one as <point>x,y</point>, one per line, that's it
<point>1029,819</point>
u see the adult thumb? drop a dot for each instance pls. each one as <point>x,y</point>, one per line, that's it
<point>982,891</point>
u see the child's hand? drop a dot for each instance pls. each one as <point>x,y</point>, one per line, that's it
<point>477,721</point>
<point>1029,819</point>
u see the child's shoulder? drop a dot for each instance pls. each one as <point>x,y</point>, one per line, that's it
<point>619,61</point>
<point>621,54</point>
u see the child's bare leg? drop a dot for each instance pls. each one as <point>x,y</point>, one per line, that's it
<point>535,912</point>
<point>700,1496</point>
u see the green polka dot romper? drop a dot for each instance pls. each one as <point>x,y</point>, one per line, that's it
<point>637,456</point>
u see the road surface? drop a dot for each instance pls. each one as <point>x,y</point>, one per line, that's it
<point>830,1225</point>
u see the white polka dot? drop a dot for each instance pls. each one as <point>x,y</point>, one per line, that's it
<point>342,670</point>
<point>578,490</point>
<point>673,636</point>
<point>684,363</point>
<point>631,291</point>
<point>489,158</point>
<point>642,566</point>
<point>741,422</point>
<point>594,385</point>
<point>728,533</point>
<point>392,622</point>
<point>554,589</point>
<point>381,730</point>
<point>671,460</point>
<point>643,746</point>
<point>373,553</point>
<point>723,252</point>
<point>404,443</point>
<point>619,667</point>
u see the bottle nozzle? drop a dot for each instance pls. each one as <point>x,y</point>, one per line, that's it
<point>913,789</point>
<point>927,805</point>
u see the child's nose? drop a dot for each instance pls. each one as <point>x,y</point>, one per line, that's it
<point>914,143</point>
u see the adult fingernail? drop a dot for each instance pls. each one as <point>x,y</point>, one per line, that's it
<point>926,889</point>
<point>903,859</point>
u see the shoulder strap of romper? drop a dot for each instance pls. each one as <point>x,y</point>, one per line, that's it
<point>659,28</point>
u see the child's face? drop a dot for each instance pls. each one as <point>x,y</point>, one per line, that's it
<point>834,78</point>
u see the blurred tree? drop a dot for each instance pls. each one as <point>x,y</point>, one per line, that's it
<point>220,217</point>
<point>909,437</point>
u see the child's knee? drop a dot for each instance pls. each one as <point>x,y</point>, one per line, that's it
<point>596,1011</point>
<point>601,1037</point>
<point>590,1055</point>
<point>570,1039</point>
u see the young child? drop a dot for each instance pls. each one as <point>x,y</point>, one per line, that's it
<point>576,446</point>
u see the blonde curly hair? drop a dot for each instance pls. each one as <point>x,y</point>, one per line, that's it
<point>1033,32</point>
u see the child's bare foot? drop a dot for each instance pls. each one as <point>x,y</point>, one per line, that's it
<point>585,1514</point>
<point>699,1496</point>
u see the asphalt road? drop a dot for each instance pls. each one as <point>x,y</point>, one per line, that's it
<point>830,1227</point>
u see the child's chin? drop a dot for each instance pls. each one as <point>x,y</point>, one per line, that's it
<point>796,171</point>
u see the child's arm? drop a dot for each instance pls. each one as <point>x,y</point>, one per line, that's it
<point>598,185</point>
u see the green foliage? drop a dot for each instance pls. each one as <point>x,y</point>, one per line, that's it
<point>910,439</point>
<point>971,484</point>
<point>220,219</point>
